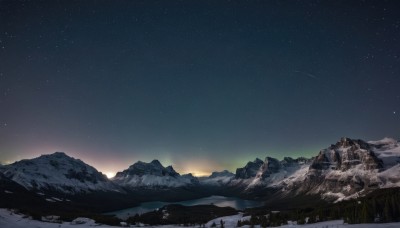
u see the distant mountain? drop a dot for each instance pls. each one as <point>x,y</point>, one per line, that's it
<point>57,172</point>
<point>218,178</point>
<point>250,170</point>
<point>152,175</point>
<point>268,173</point>
<point>224,173</point>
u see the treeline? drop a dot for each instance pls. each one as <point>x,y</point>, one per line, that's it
<point>197,215</point>
<point>266,220</point>
<point>380,206</point>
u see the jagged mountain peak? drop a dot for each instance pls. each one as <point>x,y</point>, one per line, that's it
<point>250,170</point>
<point>345,142</point>
<point>271,165</point>
<point>221,178</point>
<point>156,162</point>
<point>143,168</point>
<point>351,167</point>
<point>223,173</point>
<point>289,161</point>
<point>263,169</point>
<point>345,154</point>
<point>152,175</point>
<point>189,177</point>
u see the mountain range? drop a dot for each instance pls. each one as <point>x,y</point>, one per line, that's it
<point>347,169</point>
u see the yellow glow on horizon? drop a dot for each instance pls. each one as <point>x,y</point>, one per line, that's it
<point>7,162</point>
<point>200,173</point>
<point>110,174</point>
<point>197,167</point>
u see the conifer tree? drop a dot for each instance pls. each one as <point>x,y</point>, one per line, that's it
<point>393,204</point>
<point>387,211</point>
<point>366,213</point>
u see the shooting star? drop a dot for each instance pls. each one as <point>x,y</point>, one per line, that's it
<point>307,74</point>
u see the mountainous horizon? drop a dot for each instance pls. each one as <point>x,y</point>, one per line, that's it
<point>155,160</point>
<point>346,169</point>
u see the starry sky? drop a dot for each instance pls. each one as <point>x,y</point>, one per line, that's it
<point>201,85</point>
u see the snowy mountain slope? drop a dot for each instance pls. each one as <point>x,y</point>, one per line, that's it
<point>250,170</point>
<point>269,173</point>
<point>58,172</point>
<point>348,169</point>
<point>7,185</point>
<point>218,178</point>
<point>388,150</point>
<point>10,189</point>
<point>347,154</point>
<point>152,175</point>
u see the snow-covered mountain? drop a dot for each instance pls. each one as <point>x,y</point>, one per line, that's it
<point>7,185</point>
<point>269,173</point>
<point>250,170</point>
<point>57,172</point>
<point>153,175</point>
<point>348,169</point>
<point>218,178</point>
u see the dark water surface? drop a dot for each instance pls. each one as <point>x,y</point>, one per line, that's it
<point>220,201</point>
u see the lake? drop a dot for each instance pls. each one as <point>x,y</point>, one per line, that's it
<point>220,201</point>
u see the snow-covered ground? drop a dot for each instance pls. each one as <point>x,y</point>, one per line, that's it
<point>9,219</point>
<point>339,224</point>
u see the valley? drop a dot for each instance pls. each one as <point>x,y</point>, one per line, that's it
<point>345,172</point>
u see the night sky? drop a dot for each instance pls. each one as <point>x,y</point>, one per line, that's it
<point>201,85</point>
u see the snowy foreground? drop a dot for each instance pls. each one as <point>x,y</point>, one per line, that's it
<point>9,219</point>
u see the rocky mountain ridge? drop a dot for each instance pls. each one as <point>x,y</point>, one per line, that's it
<point>346,169</point>
<point>153,174</point>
